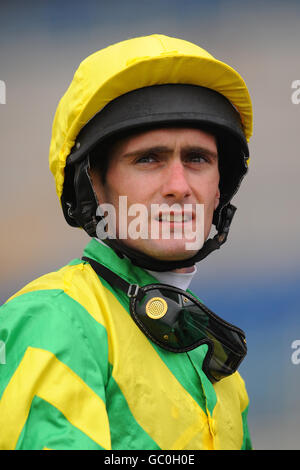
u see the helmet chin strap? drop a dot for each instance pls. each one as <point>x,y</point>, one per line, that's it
<point>147,262</point>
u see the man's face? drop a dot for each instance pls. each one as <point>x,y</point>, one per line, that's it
<point>163,166</point>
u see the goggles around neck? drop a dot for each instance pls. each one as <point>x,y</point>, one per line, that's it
<point>177,322</point>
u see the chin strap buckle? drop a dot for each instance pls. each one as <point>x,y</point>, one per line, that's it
<point>133,290</point>
<point>225,220</point>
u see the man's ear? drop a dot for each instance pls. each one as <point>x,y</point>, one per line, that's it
<point>95,183</point>
<point>217,198</point>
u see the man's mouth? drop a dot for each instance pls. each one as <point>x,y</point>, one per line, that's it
<point>172,217</point>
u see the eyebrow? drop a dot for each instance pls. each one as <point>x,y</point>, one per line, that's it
<point>164,149</point>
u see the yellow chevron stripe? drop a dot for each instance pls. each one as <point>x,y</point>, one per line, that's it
<point>41,374</point>
<point>182,423</point>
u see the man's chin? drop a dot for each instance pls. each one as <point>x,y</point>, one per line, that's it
<point>168,251</point>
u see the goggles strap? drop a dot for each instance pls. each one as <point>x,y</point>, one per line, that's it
<point>132,290</point>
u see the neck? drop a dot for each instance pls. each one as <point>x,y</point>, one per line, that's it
<point>189,269</point>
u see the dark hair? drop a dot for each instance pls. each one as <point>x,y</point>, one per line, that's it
<point>99,159</point>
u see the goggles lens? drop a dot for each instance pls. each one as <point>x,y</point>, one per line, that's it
<point>178,322</point>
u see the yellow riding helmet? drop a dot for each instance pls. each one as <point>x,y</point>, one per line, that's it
<point>130,65</point>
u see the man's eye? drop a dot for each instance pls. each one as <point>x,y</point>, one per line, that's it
<point>196,158</point>
<point>146,159</point>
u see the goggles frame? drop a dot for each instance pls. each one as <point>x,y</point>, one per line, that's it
<point>239,351</point>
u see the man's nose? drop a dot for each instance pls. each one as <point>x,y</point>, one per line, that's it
<point>175,183</point>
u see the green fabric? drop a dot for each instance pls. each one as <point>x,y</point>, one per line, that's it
<point>56,433</point>
<point>196,357</point>
<point>247,443</point>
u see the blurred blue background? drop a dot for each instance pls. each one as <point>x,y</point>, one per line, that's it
<point>254,280</point>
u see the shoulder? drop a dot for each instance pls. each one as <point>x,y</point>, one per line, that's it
<point>56,307</point>
<point>75,285</point>
<point>65,309</point>
<point>57,281</point>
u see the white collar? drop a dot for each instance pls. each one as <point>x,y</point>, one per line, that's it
<point>180,280</point>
